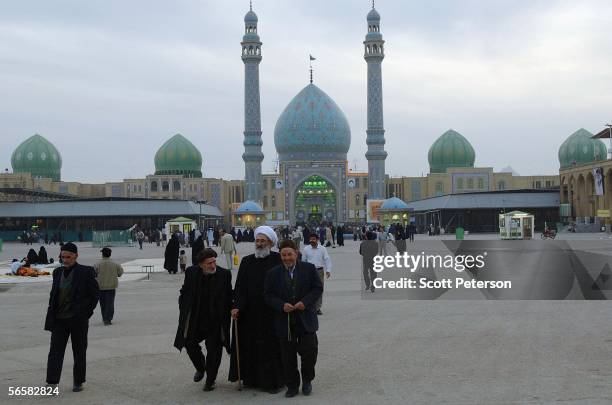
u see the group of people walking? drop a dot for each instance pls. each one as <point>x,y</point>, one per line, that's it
<point>264,323</point>
<point>273,310</point>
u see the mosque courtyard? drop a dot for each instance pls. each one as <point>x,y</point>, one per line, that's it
<point>370,350</point>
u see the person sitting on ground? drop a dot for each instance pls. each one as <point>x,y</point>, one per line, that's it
<point>15,265</point>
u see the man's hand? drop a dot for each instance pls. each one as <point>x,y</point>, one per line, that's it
<point>288,307</point>
<point>234,313</point>
<point>299,306</point>
<point>327,274</point>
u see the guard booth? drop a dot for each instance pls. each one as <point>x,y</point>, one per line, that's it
<point>516,225</point>
<point>180,224</point>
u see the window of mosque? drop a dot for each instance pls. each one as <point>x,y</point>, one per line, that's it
<point>357,199</point>
<point>501,185</point>
<point>265,184</point>
<point>356,182</point>
<point>480,183</point>
<point>460,184</point>
<point>439,188</point>
<point>365,199</point>
<point>165,186</point>
<point>548,183</point>
<point>153,186</point>
<point>538,184</point>
<point>265,201</point>
<point>470,183</point>
<point>274,201</point>
<point>176,186</point>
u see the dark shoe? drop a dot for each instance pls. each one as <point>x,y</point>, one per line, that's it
<point>197,377</point>
<point>319,312</point>
<point>274,390</point>
<point>209,387</point>
<point>77,388</point>
<point>307,388</point>
<point>291,392</point>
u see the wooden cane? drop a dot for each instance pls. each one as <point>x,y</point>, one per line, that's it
<point>235,322</point>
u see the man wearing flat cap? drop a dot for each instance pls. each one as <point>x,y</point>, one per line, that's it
<point>73,298</point>
<point>260,361</point>
<point>205,302</point>
<point>107,273</point>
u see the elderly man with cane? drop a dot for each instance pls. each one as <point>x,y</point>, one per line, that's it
<point>259,354</point>
<point>291,290</point>
<point>204,303</point>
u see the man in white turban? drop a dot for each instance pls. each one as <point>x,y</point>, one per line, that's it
<point>260,361</point>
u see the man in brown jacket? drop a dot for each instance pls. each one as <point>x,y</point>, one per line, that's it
<point>107,272</point>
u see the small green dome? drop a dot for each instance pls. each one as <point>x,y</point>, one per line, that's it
<point>579,148</point>
<point>39,157</point>
<point>178,156</point>
<point>451,149</point>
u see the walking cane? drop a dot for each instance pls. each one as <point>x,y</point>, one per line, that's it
<point>235,323</point>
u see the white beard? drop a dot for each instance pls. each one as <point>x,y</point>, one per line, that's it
<point>261,253</point>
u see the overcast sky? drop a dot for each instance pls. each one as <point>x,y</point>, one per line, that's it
<point>108,82</point>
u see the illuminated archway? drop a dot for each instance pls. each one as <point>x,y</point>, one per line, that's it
<point>315,201</point>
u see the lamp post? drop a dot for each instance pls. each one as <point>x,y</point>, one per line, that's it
<point>610,148</point>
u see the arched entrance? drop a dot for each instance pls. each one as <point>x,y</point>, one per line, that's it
<point>315,201</point>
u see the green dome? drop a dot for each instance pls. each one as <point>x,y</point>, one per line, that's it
<point>451,149</point>
<point>581,149</point>
<point>39,157</point>
<point>178,156</point>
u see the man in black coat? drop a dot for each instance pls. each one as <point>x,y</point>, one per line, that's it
<point>74,296</point>
<point>291,290</point>
<point>205,302</point>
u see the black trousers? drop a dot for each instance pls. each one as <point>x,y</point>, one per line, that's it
<point>307,346</point>
<point>107,304</point>
<point>77,331</point>
<point>214,349</point>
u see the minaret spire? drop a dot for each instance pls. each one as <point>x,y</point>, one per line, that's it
<point>311,75</point>
<point>252,156</point>
<point>376,154</point>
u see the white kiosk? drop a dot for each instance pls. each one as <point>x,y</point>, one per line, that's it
<point>516,225</point>
<point>180,224</point>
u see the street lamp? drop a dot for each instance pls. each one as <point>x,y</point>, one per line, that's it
<point>610,148</point>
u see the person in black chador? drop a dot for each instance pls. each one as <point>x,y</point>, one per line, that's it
<point>171,255</point>
<point>291,290</point>
<point>205,302</point>
<point>260,363</point>
<point>196,248</point>
<point>74,296</point>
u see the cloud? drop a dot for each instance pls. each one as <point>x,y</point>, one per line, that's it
<point>109,82</point>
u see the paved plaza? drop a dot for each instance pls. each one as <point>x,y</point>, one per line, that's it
<point>370,351</point>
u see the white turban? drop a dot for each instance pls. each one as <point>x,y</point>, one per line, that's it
<point>268,232</point>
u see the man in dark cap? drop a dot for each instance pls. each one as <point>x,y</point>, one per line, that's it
<point>107,273</point>
<point>205,302</point>
<point>73,298</point>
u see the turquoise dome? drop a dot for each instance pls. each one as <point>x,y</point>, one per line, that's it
<point>178,156</point>
<point>393,203</point>
<point>312,127</point>
<point>250,17</point>
<point>373,16</point>
<point>579,148</point>
<point>39,157</point>
<point>451,149</point>
<point>249,207</point>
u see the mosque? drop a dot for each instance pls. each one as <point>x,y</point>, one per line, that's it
<point>313,182</point>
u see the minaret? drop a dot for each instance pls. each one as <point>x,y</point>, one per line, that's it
<point>252,156</point>
<point>376,155</point>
